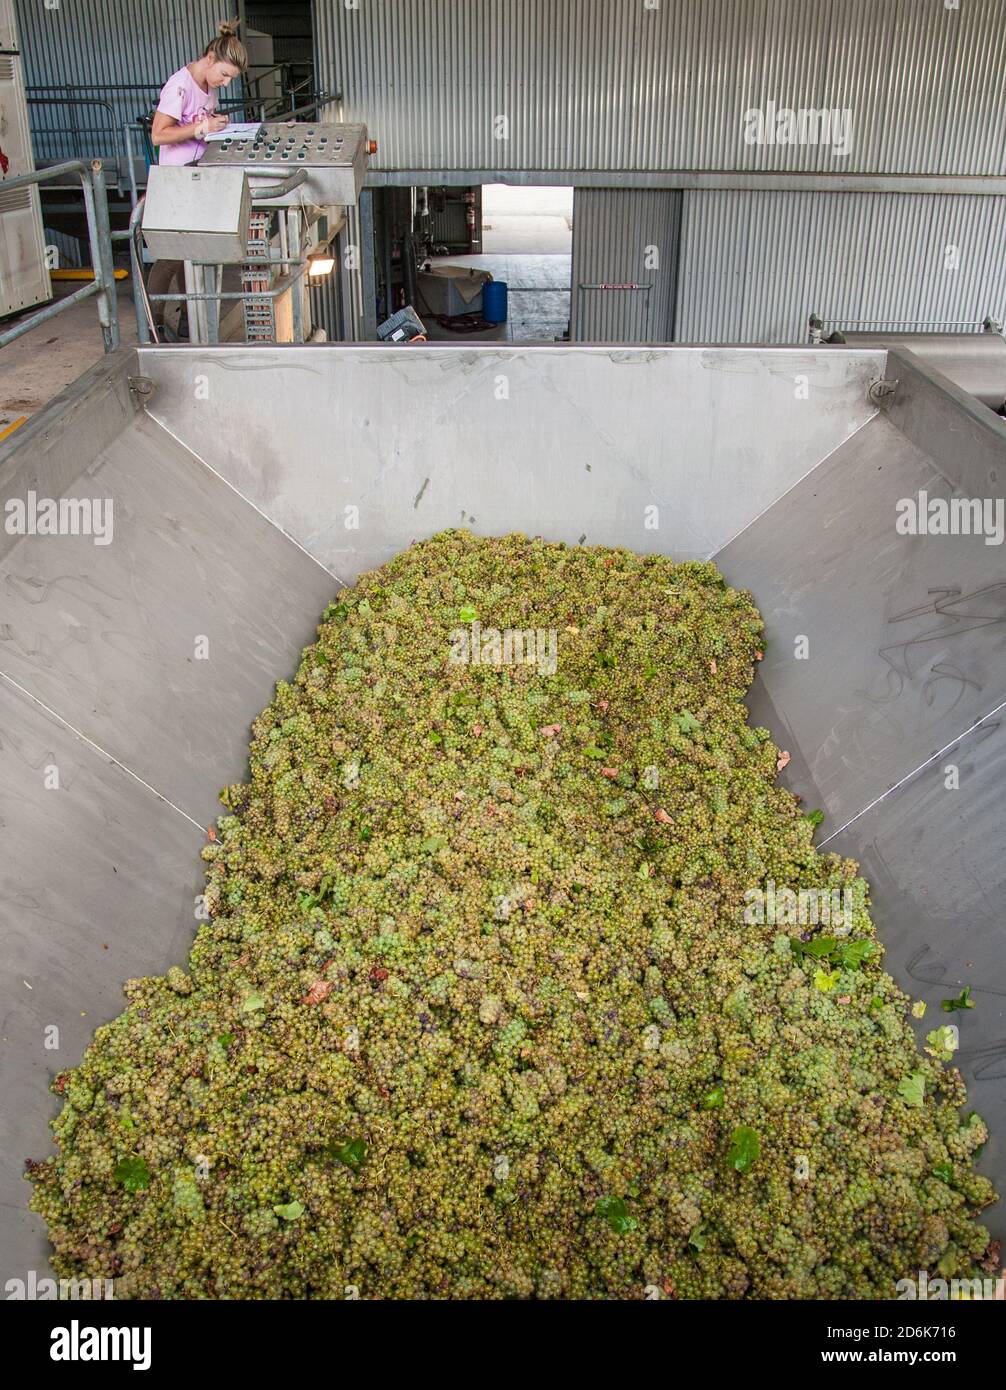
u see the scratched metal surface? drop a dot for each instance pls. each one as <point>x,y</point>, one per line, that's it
<point>570,443</point>
<point>907,634</point>
<point>105,635</point>
<point>99,862</point>
<point>935,860</point>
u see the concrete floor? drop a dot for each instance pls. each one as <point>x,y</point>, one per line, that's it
<point>538,298</point>
<point>527,240</point>
<point>39,365</point>
<point>518,220</point>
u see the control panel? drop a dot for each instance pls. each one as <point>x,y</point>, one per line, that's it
<point>334,157</point>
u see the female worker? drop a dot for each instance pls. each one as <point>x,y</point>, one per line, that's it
<point>186,113</point>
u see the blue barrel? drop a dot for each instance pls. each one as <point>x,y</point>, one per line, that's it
<point>494,301</point>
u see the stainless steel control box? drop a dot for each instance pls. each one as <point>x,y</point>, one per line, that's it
<point>334,156</point>
<point>197,214</point>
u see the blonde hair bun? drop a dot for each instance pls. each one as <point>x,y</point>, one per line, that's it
<point>227,47</point>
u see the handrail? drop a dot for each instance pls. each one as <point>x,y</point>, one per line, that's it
<point>299,111</point>
<point>116,131</point>
<point>146,329</point>
<point>261,76</point>
<point>92,179</point>
<point>77,131</point>
<point>288,91</point>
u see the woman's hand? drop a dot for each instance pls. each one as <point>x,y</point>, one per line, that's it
<point>207,124</point>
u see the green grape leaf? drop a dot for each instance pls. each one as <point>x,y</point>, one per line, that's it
<point>351,1152</point>
<point>616,1213</point>
<point>713,1100</point>
<point>698,1239</point>
<point>963,1001</point>
<point>852,954</point>
<point>912,1089</point>
<point>943,1042</point>
<point>744,1149</point>
<point>819,947</point>
<point>291,1211</point>
<point>132,1172</point>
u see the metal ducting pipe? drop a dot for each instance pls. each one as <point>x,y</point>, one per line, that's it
<point>976,362</point>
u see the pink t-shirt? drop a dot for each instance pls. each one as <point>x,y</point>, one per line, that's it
<point>183,99</point>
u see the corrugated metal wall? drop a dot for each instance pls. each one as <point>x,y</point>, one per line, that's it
<point>106,43</point>
<point>71,251</point>
<point>326,306</point>
<point>615,84</point>
<point>350,270</point>
<point>624,235</point>
<point>753,266</point>
<point>450,224</point>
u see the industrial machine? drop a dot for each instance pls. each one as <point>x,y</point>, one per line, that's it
<point>24,273</point>
<point>267,202</point>
<point>975,360</point>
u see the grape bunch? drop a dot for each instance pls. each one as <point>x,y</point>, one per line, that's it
<point>479,1011</point>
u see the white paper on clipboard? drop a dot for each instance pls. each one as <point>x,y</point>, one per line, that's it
<point>240,130</point>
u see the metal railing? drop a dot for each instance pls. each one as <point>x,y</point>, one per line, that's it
<point>298,113</point>
<point>99,235</point>
<point>108,132</point>
<point>115,134</point>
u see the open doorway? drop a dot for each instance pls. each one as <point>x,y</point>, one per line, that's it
<point>527,242</point>
<point>519,220</point>
<point>438,249</point>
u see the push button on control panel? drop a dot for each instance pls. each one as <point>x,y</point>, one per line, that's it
<point>329,154</point>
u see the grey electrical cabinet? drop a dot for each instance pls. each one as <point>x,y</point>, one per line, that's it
<point>24,272</point>
<point>197,214</point>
